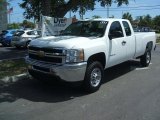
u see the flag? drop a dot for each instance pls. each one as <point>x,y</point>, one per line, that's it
<point>10,10</point>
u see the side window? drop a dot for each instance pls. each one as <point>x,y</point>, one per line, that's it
<point>39,32</point>
<point>127,28</point>
<point>115,30</point>
<point>30,33</point>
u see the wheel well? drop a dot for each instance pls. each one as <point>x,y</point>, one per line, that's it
<point>29,41</point>
<point>149,45</point>
<point>100,57</point>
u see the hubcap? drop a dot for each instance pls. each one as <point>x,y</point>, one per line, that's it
<point>148,57</point>
<point>96,77</point>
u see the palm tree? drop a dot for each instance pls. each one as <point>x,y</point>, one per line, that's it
<point>127,16</point>
<point>96,16</point>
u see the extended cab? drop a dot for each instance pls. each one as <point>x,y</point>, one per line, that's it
<point>86,48</point>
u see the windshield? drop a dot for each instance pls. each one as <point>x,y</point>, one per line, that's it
<point>18,33</point>
<point>4,32</point>
<point>86,29</point>
<point>12,32</point>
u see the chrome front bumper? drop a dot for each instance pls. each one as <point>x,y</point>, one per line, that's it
<point>19,43</point>
<point>67,72</point>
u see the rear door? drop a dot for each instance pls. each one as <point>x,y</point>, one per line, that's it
<point>130,40</point>
<point>118,48</point>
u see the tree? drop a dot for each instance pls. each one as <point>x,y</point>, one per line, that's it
<point>127,16</point>
<point>148,20</point>
<point>156,22</point>
<point>96,16</point>
<point>27,24</point>
<point>145,21</point>
<point>13,26</point>
<point>59,8</point>
<point>1,4</point>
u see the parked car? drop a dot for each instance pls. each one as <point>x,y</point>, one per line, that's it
<point>142,29</point>
<point>1,36</point>
<point>22,38</point>
<point>86,48</point>
<point>6,37</point>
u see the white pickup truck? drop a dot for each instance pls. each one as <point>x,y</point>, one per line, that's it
<point>86,48</point>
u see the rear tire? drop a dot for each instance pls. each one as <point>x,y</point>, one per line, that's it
<point>146,58</point>
<point>93,77</point>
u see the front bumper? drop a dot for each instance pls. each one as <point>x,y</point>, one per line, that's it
<point>67,72</point>
<point>19,43</point>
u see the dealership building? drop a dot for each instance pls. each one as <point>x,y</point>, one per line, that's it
<point>3,16</point>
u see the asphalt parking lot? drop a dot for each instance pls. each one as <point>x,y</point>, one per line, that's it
<point>11,53</point>
<point>129,92</point>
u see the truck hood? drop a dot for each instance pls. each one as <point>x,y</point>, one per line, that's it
<point>61,41</point>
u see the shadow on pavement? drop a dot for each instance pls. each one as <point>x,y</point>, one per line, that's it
<point>55,91</point>
<point>121,69</point>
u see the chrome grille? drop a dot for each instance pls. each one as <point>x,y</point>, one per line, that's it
<point>55,56</point>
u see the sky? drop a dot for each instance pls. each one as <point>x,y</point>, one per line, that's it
<point>135,8</point>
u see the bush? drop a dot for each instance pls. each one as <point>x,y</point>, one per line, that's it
<point>12,67</point>
<point>158,38</point>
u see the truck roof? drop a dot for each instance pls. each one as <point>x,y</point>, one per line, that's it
<point>105,19</point>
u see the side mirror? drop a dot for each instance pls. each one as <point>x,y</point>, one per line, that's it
<point>110,36</point>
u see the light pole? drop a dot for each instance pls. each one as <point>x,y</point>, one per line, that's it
<point>107,11</point>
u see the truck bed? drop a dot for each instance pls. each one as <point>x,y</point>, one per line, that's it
<point>142,38</point>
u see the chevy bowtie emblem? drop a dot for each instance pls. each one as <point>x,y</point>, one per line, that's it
<point>41,53</point>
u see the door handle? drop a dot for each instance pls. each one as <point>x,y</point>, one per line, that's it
<point>124,42</point>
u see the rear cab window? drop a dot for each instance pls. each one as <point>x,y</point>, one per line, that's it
<point>127,28</point>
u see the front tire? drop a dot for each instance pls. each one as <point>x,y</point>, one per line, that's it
<point>146,58</point>
<point>27,43</point>
<point>93,77</point>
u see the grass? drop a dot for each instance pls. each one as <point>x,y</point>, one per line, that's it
<point>12,67</point>
<point>158,40</point>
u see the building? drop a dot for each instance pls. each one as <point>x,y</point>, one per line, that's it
<point>3,16</point>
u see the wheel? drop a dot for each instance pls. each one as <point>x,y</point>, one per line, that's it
<point>146,58</point>
<point>27,43</point>
<point>93,77</point>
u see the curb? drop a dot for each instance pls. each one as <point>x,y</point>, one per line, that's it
<point>15,78</point>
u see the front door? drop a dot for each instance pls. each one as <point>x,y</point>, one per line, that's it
<point>118,45</point>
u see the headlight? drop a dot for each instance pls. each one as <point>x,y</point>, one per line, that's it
<point>74,55</point>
